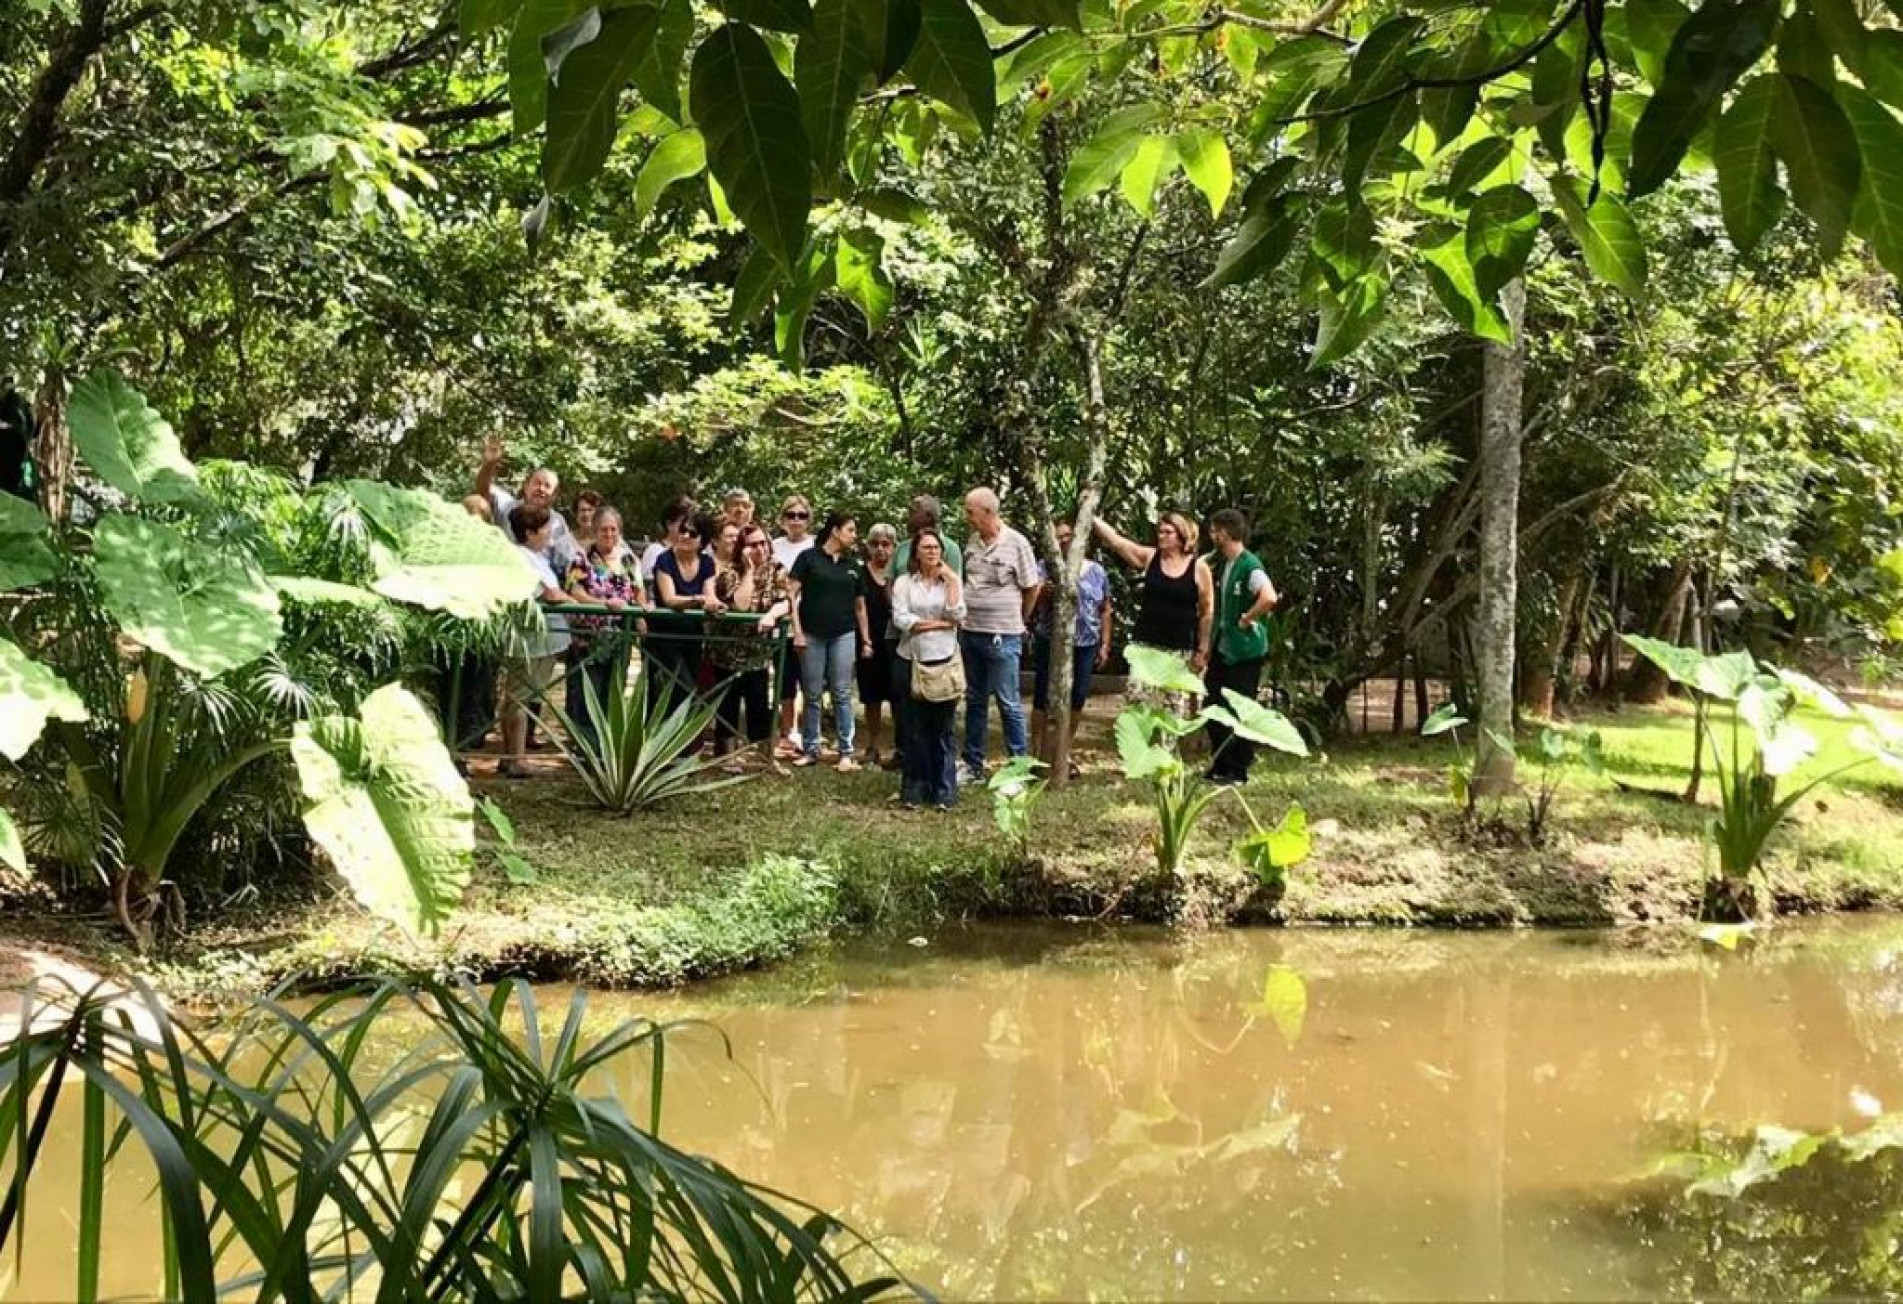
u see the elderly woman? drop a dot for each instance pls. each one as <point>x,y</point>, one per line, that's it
<point>603,574</point>
<point>928,605</point>
<point>533,657</point>
<point>1176,598</point>
<point>754,585</point>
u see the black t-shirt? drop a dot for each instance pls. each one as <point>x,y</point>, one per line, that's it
<point>829,588</point>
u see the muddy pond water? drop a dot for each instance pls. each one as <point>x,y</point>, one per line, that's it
<point>1071,1112</point>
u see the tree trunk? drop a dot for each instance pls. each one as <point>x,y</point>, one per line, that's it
<point>52,445</point>
<point>1542,661</point>
<point>1645,683</point>
<point>1503,380</point>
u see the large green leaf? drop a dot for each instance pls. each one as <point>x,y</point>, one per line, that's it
<point>1154,668</point>
<point>657,71</point>
<point>675,157</point>
<point>25,558</point>
<point>1259,244</point>
<point>753,289</point>
<point>203,608</point>
<point>584,102</point>
<point>1292,72</point>
<point>1803,52</point>
<point>528,72</point>
<point>1207,164</point>
<point>432,554</point>
<point>858,273</point>
<point>1142,756</point>
<point>1710,50</point>
<point>1882,65</point>
<point>1606,233</point>
<point>1724,677</point>
<point>1878,216</point>
<point>1270,851</point>
<point>1259,724</point>
<point>1381,61</point>
<point>1747,165</point>
<point>891,30</point>
<point>1455,283</point>
<point>1501,229</point>
<point>30,695</point>
<point>1347,316</point>
<point>830,66</point>
<point>126,443</point>
<point>1650,26</point>
<point>951,60</point>
<point>756,144</point>
<point>1155,156</point>
<point>388,807</point>
<point>1099,161</point>
<point>1815,142</point>
<point>1476,163</point>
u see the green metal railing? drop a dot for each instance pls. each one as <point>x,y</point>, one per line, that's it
<point>624,636</point>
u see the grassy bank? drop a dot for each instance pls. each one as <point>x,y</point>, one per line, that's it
<point>757,871</point>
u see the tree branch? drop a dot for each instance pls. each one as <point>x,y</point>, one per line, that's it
<point>38,124</point>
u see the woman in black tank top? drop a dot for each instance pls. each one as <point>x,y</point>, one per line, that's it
<point>1177,594</point>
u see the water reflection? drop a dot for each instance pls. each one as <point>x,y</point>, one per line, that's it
<point>1014,1113</point>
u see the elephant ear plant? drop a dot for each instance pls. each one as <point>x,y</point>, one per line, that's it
<point>1148,741</point>
<point>175,649</point>
<point>1753,751</point>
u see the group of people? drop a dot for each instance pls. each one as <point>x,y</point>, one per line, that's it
<point>916,624</point>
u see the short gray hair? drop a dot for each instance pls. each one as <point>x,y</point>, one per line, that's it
<point>882,531</point>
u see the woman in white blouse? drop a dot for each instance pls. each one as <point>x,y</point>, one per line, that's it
<point>928,604</point>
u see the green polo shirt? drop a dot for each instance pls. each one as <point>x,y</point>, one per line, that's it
<point>829,589</point>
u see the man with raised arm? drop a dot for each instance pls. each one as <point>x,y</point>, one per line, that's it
<point>538,490</point>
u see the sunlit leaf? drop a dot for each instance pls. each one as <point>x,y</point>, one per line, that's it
<point>1445,717</point>
<point>676,157</point>
<point>1268,852</point>
<point>1155,156</point>
<point>30,695</point>
<point>1284,1001</point>
<point>1262,725</point>
<point>1155,668</point>
<point>1606,233</point>
<point>1347,317</point>
<point>1099,161</point>
<point>388,807</point>
<point>203,608</point>
<point>25,557</point>
<point>1207,164</point>
<point>857,272</point>
<point>1501,229</point>
<point>1878,216</point>
<point>126,443</point>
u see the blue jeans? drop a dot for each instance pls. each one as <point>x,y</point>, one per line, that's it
<point>991,670</point>
<point>929,758</point>
<point>827,663</point>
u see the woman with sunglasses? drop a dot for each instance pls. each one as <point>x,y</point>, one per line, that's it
<point>683,582</point>
<point>1176,599</point>
<point>796,520</point>
<point>756,585</point>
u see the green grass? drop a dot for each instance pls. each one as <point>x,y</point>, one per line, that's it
<point>753,873</point>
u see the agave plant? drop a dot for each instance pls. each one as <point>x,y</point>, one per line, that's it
<point>640,749</point>
<point>408,1143</point>
<point>1762,746</point>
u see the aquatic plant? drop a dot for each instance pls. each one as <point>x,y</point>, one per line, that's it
<point>413,1142</point>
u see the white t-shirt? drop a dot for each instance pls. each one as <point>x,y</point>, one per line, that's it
<point>648,558</point>
<point>786,551</point>
<point>555,641</point>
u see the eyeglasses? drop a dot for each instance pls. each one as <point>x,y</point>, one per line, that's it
<point>796,516</point>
